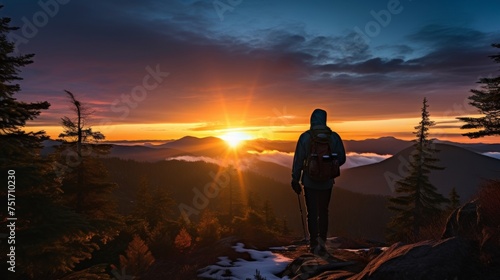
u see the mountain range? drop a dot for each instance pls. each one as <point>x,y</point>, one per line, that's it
<point>465,167</point>
<point>360,191</point>
<point>213,146</point>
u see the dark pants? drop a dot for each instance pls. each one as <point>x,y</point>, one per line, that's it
<point>317,202</point>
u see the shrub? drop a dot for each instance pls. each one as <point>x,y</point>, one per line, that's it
<point>489,203</point>
<point>183,240</point>
<point>137,257</point>
<point>209,228</point>
<point>489,219</point>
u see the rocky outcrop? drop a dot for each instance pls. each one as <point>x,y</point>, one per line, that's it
<point>443,259</point>
<point>308,266</point>
<point>469,249</point>
<point>463,222</point>
<point>479,222</point>
<point>439,259</point>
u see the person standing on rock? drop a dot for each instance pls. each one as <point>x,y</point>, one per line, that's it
<point>318,155</point>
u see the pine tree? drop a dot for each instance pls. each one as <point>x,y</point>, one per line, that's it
<point>418,201</point>
<point>137,258</point>
<point>487,101</point>
<point>143,201</point>
<point>269,217</point>
<point>209,228</point>
<point>154,205</point>
<point>252,199</point>
<point>85,184</point>
<point>285,230</point>
<point>162,205</point>
<point>152,218</point>
<point>49,235</point>
<point>230,199</point>
<point>76,128</point>
<point>454,199</point>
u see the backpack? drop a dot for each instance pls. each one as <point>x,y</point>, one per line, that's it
<point>321,163</point>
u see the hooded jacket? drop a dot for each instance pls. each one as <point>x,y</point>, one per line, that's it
<point>318,121</point>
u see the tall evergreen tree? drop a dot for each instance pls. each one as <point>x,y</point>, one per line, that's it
<point>49,235</point>
<point>153,205</point>
<point>13,113</point>
<point>454,199</point>
<point>487,101</point>
<point>418,201</point>
<point>269,217</point>
<point>252,199</point>
<point>137,258</point>
<point>143,200</point>
<point>85,181</point>
<point>285,230</point>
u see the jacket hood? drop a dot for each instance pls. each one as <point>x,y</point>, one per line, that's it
<point>318,117</point>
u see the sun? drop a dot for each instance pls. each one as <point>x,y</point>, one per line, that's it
<point>234,138</point>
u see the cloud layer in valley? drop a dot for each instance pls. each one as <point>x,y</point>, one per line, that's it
<point>493,154</point>
<point>283,159</point>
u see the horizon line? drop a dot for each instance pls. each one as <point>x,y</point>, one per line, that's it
<point>273,140</point>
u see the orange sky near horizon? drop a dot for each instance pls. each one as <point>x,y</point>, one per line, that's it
<point>279,129</point>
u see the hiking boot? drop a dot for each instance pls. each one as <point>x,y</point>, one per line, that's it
<point>318,250</point>
<point>312,249</point>
<point>322,250</point>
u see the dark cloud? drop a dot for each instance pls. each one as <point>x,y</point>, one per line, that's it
<point>374,65</point>
<point>439,36</point>
<point>210,127</point>
<point>397,50</point>
<point>447,126</point>
<point>451,50</point>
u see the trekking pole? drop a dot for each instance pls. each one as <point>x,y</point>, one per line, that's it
<point>302,218</point>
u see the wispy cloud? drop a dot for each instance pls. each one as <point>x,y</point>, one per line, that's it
<point>493,154</point>
<point>360,159</point>
<point>280,158</point>
<point>198,158</point>
<point>353,159</point>
<point>241,164</point>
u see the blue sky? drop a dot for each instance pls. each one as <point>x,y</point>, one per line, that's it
<point>233,63</point>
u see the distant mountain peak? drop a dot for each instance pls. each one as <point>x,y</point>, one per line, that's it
<point>194,138</point>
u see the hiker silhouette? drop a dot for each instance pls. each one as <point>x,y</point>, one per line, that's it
<point>317,191</point>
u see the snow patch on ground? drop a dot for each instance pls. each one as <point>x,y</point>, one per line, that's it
<point>266,262</point>
<point>357,250</point>
<point>365,249</point>
<point>283,248</point>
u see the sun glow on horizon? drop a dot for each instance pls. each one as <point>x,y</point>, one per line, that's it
<point>447,128</point>
<point>234,138</point>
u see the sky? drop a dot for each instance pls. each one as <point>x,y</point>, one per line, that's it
<point>165,69</point>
